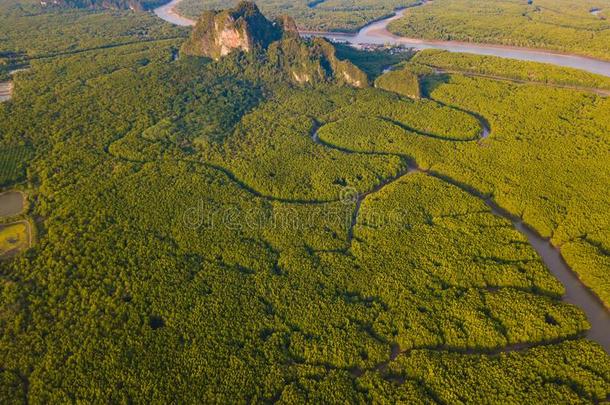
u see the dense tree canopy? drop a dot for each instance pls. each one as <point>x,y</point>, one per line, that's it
<point>208,232</point>
<point>561,25</point>
<point>326,15</point>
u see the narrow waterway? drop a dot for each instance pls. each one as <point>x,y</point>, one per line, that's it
<point>576,293</point>
<point>7,88</point>
<point>377,33</point>
<point>6,91</point>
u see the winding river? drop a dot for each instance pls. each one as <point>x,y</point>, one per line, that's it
<point>168,13</point>
<point>376,33</point>
<point>576,293</point>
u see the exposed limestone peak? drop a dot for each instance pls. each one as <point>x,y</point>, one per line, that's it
<point>244,27</point>
<point>313,62</point>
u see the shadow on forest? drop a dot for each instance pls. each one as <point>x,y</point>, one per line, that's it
<point>430,83</point>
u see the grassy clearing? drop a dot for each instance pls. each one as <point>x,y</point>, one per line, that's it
<point>13,238</point>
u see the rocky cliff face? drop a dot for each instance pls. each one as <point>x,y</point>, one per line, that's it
<point>217,33</point>
<point>343,70</point>
<point>244,28</point>
<point>313,62</point>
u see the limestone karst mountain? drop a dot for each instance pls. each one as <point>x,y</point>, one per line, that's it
<point>244,28</point>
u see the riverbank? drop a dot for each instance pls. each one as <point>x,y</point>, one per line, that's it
<point>576,292</point>
<point>169,13</point>
<point>596,91</point>
<point>558,28</point>
<point>377,33</point>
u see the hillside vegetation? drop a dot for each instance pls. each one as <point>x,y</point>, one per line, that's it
<point>245,29</point>
<point>401,81</point>
<point>564,25</point>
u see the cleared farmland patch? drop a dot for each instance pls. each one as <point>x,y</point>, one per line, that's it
<point>14,237</point>
<point>11,203</point>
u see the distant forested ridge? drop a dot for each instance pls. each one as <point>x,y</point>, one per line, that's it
<point>135,5</point>
<point>327,15</point>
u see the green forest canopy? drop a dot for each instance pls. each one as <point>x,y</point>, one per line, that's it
<point>561,25</point>
<point>325,15</point>
<point>195,243</point>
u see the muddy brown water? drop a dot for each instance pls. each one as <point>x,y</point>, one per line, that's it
<point>576,292</point>
<point>11,203</point>
<point>168,13</point>
<point>377,33</point>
